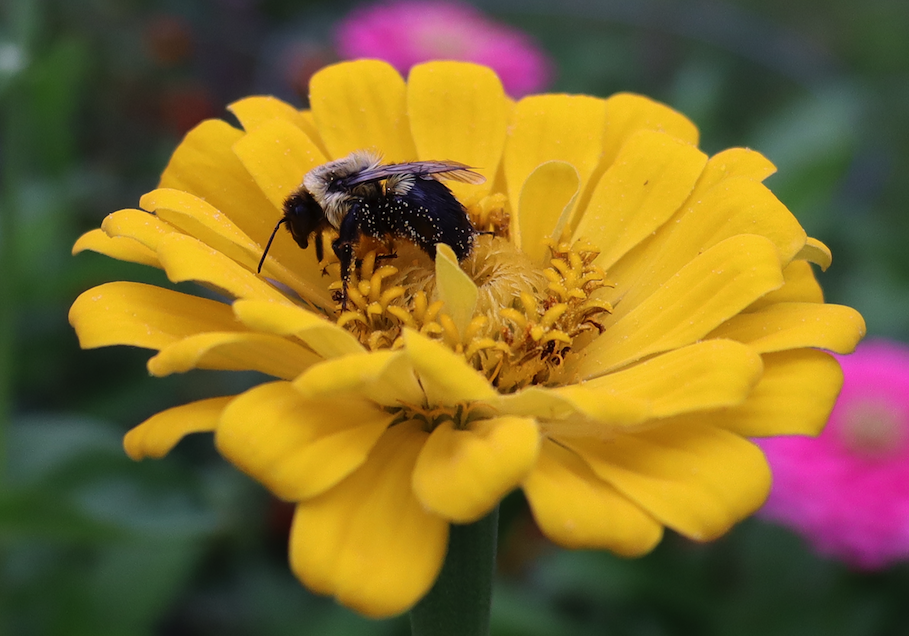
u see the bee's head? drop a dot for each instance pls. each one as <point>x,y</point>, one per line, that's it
<point>303,216</point>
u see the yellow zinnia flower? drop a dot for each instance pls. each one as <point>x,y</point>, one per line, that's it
<point>636,311</point>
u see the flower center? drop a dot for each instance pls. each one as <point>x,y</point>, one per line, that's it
<point>873,430</point>
<point>460,415</point>
<point>528,316</point>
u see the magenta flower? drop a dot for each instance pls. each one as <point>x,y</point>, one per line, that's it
<point>408,32</point>
<point>847,491</point>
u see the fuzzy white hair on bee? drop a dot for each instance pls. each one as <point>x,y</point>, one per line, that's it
<point>359,195</point>
<point>326,182</point>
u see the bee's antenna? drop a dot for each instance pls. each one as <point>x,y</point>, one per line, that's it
<point>268,245</point>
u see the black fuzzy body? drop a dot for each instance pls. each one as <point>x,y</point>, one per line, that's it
<point>427,214</point>
<point>358,195</point>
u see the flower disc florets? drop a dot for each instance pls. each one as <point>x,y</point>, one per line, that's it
<point>631,313</point>
<point>528,317</point>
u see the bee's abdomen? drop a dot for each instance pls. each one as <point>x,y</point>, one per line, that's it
<point>429,214</point>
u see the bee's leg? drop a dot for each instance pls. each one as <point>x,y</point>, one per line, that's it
<point>320,247</point>
<point>343,247</point>
<point>390,246</point>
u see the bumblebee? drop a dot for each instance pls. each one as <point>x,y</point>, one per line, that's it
<point>360,195</point>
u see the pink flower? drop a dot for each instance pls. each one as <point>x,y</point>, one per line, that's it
<point>847,491</point>
<point>408,32</point>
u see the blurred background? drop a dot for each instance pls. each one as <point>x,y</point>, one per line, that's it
<point>95,95</point>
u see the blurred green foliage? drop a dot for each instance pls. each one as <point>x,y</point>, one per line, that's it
<point>96,93</point>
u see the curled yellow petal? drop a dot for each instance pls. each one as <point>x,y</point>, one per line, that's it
<point>119,247</point>
<point>324,337</point>
<point>794,397</point>
<point>146,228</point>
<point>462,474</point>
<point>546,200</point>
<point>385,377</point>
<point>298,447</point>
<point>576,509</point>
<point>735,162</point>
<point>816,252</point>
<point>567,128</point>
<point>145,316</point>
<point>185,258</point>
<point>156,436</point>
<point>445,376</point>
<point>204,164</point>
<point>800,286</point>
<point>794,325</point>
<point>368,541</point>
<point>231,351</point>
<point>456,289</point>
<point>198,218</point>
<point>698,480</point>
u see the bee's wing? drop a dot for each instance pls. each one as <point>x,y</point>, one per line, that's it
<point>424,169</point>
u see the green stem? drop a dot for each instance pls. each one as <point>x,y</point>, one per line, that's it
<point>459,602</point>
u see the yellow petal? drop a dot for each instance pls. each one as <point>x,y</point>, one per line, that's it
<point>458,112</point>
<point>627,114</point>
<point>576,509</point>
<point>187,259</point>
<point>794,397</point>
<point>204,164</point>
<point>146,228</point>
<point>298,447</point>
<point>322,336</point>
<point>362,105</point>
<point>455,287</point>
<point>544,128</point>
<point>736,206</point>
<point>254,111</point>
<point>794,325</point>
<point>709,290</point>
<point>125,313</point>
<point>384,377</point>
<point>445,376</point>
<point>156,436</point>
<point>735,162</point>
<point>701,376</point>
<point>650,179</point>
<point>199,219</point>
<point>698,480</point>
<point>368,541</point>
<point>278,154</point>
<point>462,474</point>
<point>121,248</point>
<point>271,355</point>
<point>800,286</point>
<point>547,198</point>
<point>816,252</point>
<point>568,408</point>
